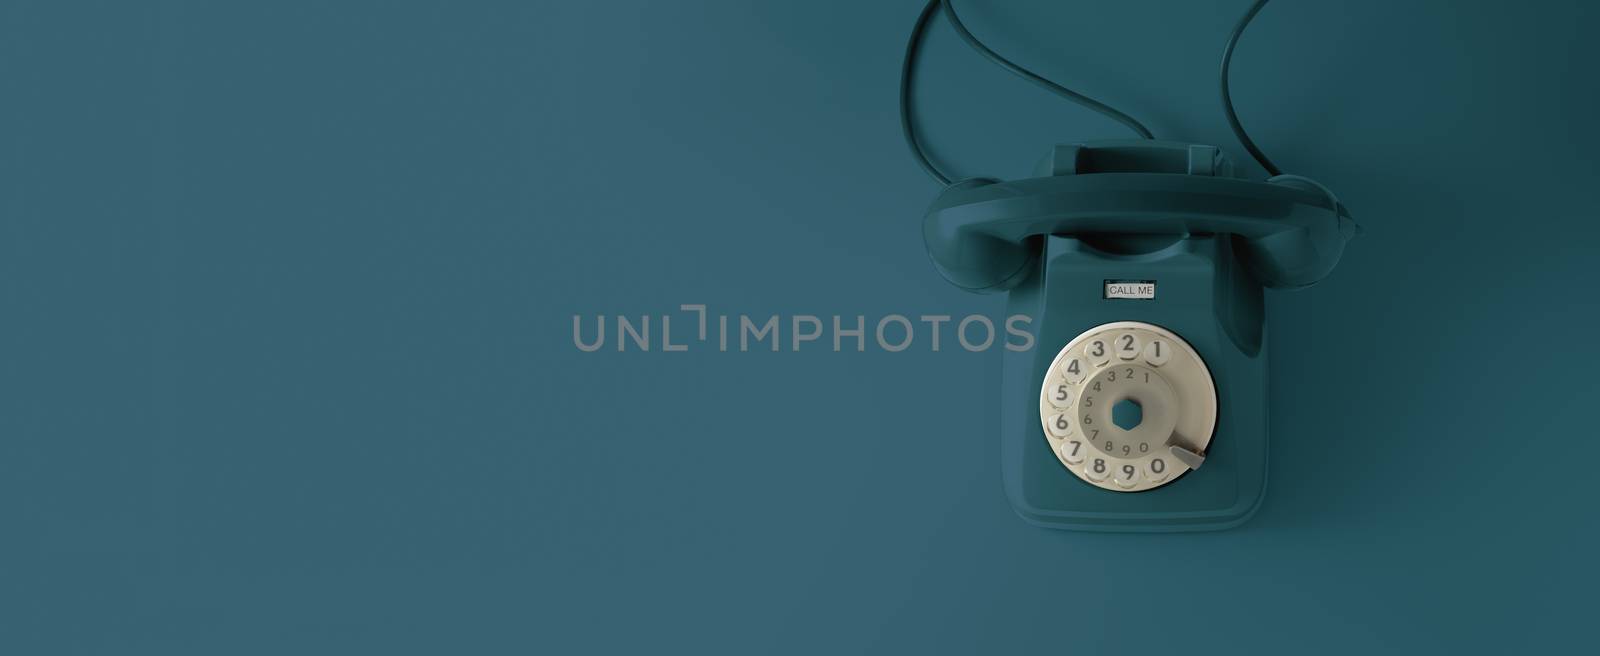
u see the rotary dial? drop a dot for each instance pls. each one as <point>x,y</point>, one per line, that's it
<point>1128,406</point>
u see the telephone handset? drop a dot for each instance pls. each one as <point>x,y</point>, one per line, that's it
<point>1142,264</point>
<point>979,232</point>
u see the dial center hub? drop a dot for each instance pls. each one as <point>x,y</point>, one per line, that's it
<point>1127,414</point>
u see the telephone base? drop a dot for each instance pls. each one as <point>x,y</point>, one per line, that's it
<point>1199,293</point>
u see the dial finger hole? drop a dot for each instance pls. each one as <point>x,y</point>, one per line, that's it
<point>1059,424</point>
<point>1073,451</point>
<point>1157,469</point>
<point>1097,469</point>
<point>1097,350</point>
<point>1126,475</point>
<point>1157,352</point>
<point>1074,370</point>
<point>1060,395</point>
<point>1127,346</point>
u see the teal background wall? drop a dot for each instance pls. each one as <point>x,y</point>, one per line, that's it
<point>287,294</point>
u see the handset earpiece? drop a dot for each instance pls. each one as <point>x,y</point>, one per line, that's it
<point>1292,259</point>
<point>970,258</point>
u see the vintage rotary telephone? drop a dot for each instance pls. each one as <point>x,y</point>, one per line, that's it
<point>1142,263</point>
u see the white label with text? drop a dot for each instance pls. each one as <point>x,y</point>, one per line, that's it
<point>1139,289</point>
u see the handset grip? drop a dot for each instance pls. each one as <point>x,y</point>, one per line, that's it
<point>978,232</point>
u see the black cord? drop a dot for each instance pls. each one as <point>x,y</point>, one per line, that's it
<point>908,67</point>
<point>1102,108</point>
<point>1227,99</point>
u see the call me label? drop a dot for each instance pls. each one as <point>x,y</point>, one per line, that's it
<point>1139,289</point>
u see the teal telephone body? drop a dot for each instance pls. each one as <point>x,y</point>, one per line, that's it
<point>1143,406</point>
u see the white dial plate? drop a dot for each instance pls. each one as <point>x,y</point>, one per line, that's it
<point>1119,397</point>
